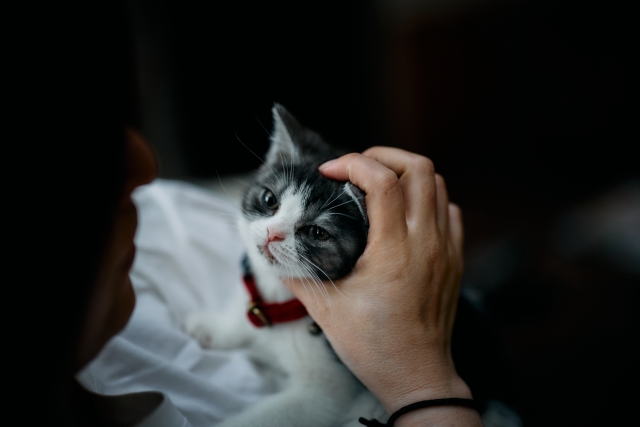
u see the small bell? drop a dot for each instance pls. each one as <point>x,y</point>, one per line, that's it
<point>314,329</point>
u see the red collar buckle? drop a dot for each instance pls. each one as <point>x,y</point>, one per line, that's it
<point>267,314</point>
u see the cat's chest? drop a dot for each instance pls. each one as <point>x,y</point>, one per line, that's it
<point>292,346</point>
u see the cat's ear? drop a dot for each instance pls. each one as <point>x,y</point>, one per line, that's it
<point>285,127</point>
<point>359,198</point>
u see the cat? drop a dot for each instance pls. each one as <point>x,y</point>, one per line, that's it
<point>294,223</point>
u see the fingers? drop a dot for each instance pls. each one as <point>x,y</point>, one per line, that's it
<point>385,200</point>
<point>417,179</point>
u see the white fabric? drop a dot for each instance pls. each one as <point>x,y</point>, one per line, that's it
<point>188,258</point>
<point>166,415</point>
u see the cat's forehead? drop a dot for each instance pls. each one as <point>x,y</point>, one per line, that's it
<point>303,179</point>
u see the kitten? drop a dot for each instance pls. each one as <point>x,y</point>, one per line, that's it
<point>294,223</point>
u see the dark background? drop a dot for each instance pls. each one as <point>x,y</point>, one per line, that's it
<point>525,108</point>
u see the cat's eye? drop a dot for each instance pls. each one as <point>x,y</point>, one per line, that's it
<point>317,233</point>
<point>270,201</point>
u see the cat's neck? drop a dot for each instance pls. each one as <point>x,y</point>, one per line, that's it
<point>268,282</point>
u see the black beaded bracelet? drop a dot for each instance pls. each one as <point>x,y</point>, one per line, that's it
<point>452,401</point>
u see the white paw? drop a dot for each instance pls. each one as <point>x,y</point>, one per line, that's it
<point>197,325</point>
<point>216,330</point>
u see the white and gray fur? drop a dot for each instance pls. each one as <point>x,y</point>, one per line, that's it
<point>321,227</point>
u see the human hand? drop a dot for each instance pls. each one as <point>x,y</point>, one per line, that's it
<point>391,319</point>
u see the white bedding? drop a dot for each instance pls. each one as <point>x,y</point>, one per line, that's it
<point>188,258</point>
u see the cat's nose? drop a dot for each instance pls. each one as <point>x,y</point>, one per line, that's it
<point>275,235</point>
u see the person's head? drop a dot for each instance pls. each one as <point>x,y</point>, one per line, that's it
<point>85,164</point>
<point>111,300</point>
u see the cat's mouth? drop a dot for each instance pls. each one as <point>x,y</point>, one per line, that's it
<point>264,250</point>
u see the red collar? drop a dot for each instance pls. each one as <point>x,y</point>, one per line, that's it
<point>266,314</point>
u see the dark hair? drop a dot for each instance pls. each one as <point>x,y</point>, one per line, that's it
<point>84,97</point>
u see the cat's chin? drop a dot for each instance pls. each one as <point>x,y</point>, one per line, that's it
<point>275,268</point>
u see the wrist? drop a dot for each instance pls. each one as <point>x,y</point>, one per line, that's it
<point>423,377</point>
<point>442,386</point>
<point>440,416</point>
<point>433,412</point>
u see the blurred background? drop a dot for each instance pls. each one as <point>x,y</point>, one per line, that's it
<point>525,108</point>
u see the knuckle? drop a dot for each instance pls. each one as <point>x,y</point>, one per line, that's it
<point>386,180</point>
<point>424,165</point>
<point>351,156</point>
<point>455,210</point>
<point>372,150</point>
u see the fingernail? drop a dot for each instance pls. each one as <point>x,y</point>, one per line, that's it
<point>326,165</point>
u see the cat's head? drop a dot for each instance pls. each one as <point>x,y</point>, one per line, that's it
<point>295,221</point>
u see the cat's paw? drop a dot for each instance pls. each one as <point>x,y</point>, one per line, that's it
<point>197,325</point>
<point>217,330</point>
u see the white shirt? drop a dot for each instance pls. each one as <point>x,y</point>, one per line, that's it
<point>188,259</point>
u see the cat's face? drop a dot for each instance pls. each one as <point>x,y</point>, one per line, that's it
<point>296,221</point>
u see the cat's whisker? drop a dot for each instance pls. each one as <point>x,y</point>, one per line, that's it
<point>304,277</point>
<point>225,202</point>
<point>290,270</point>
<point>318,281</point>
<point>291,266</point>
<point>227,214</point>
<point>337,197</point>
<point>327,201</point>
<point>338,213</point>
<point>265,129</point>
<point>242,178</point>
<point>272,181</point>
<point>311,275</point>
<point>291,163</point>
<point>223,187</point>
<point>286,263</point>
<point>344,203</point>
<point>261,173</point>
<point>326,292</point>
<point>284,164</point>
<point>327,276</point>
<point>290,256</point>
<point>301,277</point>
<point>260,158</point>
<point>293,166</point>
<point>303,270</point>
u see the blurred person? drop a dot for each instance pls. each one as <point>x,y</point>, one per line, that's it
<point>395,338</point>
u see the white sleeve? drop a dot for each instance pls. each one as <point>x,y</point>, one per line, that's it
<point>188,258</point>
